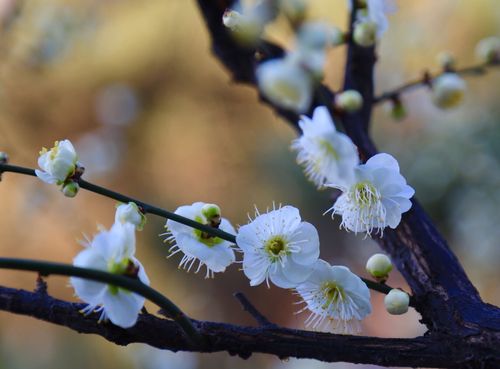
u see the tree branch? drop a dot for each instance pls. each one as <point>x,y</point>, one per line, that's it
<point>252,310</point>
<point>431,351</point>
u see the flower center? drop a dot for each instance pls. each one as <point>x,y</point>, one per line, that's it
<point>125,267</point>
<point>365,194</point>
<point>328,147</point>
<point>276,247</point>
<point>205,238</point>
<point>333,293</point>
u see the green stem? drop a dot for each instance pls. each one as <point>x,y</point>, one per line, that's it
<point>46,268</point>
<point>147,208</point>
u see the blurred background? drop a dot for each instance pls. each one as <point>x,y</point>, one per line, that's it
<point>154,115</point>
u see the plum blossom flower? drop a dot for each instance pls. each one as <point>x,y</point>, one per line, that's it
<point>58,163</point>
<point>327,156</point>
<point>285,83</point>
<point>337,298</point>
<point>112,251</point>
<point>278,246</point>
<point>376,197</point>
<point>130,213</point>
<point>376,12</point>
<point>213,252</point>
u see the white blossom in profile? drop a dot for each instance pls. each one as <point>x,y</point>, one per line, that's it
<point>327,156</point>
<point>286,83</point>
<point>448,90</point>
<point>111,251</point>
<point>213,252</point>
<point>376,12</point>
<point>376,197</point>
<point>130,213</point>
<point>278,247</point>
<point>337,298</point>
<point>58,163</point>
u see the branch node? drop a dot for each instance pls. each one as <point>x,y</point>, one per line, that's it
<point>252,310</point>
<point>41,285</point>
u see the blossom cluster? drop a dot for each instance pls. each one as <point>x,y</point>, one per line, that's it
<point>277,247</point>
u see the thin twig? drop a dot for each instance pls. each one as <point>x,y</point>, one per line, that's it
<point>477,69</point>
<point>252,310</point>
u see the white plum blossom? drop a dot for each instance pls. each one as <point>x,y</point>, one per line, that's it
<point>448,90</point>
<point>213,252</point>
<point>58,163</point>
<point>130,213</point>
<point>111,251</point>
<point>326,155</point>
<point>488,49</point>
<point>279,247</point>
<point>337,298</point>
<point>285,83</point>
<point>376,197</point>
<point>376,13</point>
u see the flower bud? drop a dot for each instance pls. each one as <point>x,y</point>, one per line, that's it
<point>130,213</point>
<point>294,10</point>
<point>379,266</point>
<point>446,60</point>
<point>70,189</point>
<point>212,213</point>
<point>349,101</point>
<point>396,109</point>
<point>448,90</point>
<point>365,33</point>
<point>397,302</point>
<point>4,157</point>
<point>488,49</point>
<point>286,84</point>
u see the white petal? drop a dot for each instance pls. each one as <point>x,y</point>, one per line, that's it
<point>122,308</point>
<point>310,249</point>
<point>89,291</point>
<point>383,160</point>
<point>46,177</point>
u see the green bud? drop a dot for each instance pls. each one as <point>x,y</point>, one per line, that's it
<point>349,100</point>
<point>379,266</point>
<point>70,189</point>
<point>365,34</point>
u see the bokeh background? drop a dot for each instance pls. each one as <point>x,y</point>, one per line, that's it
<point>154,115</point>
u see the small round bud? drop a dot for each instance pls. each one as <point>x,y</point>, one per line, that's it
<point>349,101</point>
<point>446,60</point>
<point>70,189</point>
<point>210,211</point>
<point>4,158</point>
<point>246,27</point>
<point>130,213</point>
<point>379,265</point>
<point>396,109</point>
<point>488,49</point>
<point>448,90</point>
<point>336,36</point>
<point>365,33</point>
<point>294,10</point>
<point>397,302</point>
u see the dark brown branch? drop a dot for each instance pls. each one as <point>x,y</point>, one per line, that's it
<point>478,69</point>
<point>430,351</point>
<point>252,310</point>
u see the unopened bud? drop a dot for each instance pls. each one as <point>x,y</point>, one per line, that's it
<point>397,109</point>
<point>130,213</point>
<point>397,302</point>
<point>379,266</point>
<point>446,60</point>
<point>488,49</point>
<point>365,33</point>
<point>294,10</point>
<point>4,158</point>
<point>70,189</point>
<point>212,213</point>
<point>448,90</point>
<point>349,101</point>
